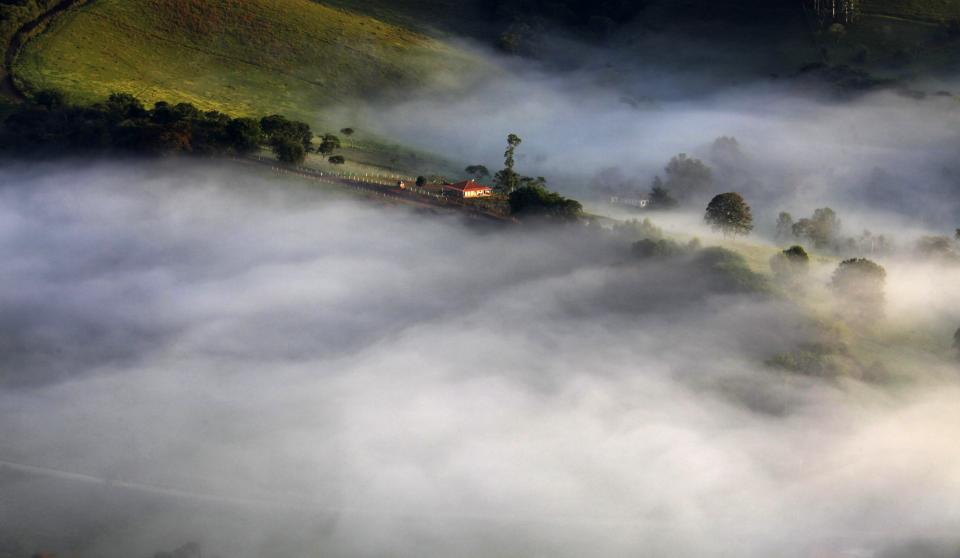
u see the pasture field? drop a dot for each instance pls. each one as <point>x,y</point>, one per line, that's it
<point>293,57</point>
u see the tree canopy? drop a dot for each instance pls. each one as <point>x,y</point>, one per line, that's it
<point>821,229</point>
<point>537,201</point>
<point>729,213</point>
<point>687,178</point>
<point>507,180</point>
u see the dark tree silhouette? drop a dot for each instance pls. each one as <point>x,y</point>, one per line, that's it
<point>730,214</point>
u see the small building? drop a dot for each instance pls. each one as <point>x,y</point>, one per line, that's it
<point>467,189</point>
<point>636,203</point>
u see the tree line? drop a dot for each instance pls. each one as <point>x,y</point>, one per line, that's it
<point>49,126</point>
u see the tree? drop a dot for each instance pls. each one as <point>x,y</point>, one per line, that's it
<point>278,127</point>
<point>289,151</point>
<point>858,284</point>
<point>539,202</point>
<point>790,266</point>
<point>328,144</point>
<point>477,171</point>
<point>660,197</point>
<point>337,160</point>
<point>729,213</point>
<point>821,229</point>
<point>347,131</point>
<point>50,98</point>
<point>784,226</point>
<point>507,180</point>
<point>421,181</point>
<point>687,177</point>
<point>244,134</point>
<point>125,105</point>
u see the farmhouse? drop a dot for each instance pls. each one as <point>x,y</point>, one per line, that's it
<point>467,189</point>
<point>638,203</point>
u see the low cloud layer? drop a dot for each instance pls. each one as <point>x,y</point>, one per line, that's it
<point>804,143</point>
<point>268,369</point>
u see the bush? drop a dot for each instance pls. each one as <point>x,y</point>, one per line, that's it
<point>732,270</point>
<point>537,201</point>
<point>661,248</point>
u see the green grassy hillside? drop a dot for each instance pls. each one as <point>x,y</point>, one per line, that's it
<point>250,57</point>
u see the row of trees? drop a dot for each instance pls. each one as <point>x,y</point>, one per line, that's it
<point>858,283</point>
<point>49,125</point>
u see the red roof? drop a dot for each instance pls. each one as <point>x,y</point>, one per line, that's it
<point>468,186</point>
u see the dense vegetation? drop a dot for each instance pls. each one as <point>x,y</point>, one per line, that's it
<point>49,126</point>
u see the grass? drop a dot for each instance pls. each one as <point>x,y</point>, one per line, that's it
<point>938,11</point>
<point>293,57</point>
<point>244,58</point>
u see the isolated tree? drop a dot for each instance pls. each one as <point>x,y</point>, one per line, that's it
<point>791,266</point>
<point>507,180</point>
<point>729,213</point>
<point>660,197</point>
<point>821,229</point>
<point>858,285</point>
<point>687,178</point>
<point>421,181</point>
<point>784,226</point>
<point>477,171</point>
<point>347,131</point>
<point>337,160</point>
<point>328,144</point>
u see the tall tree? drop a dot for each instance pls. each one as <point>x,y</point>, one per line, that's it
<point>784,226</point>
<point>660,197</point>
<point>729,213</point>
<point>822,228</point>
<point>688,178</point>
<point>507,180</point>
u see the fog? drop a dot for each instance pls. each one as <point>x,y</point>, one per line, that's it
<point>804,143</point>
<point>212,354</point>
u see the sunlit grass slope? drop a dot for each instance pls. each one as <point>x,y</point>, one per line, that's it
<point>241,57</point>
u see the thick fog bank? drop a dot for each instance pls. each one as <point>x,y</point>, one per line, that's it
<point>200,354</point>
<point>803,143</point>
